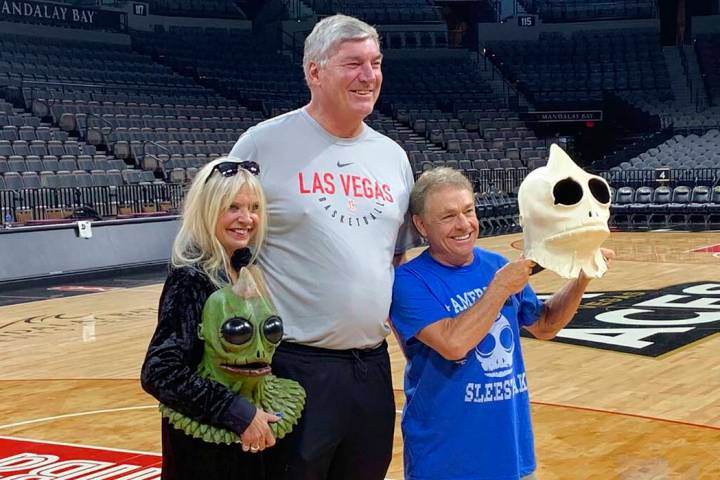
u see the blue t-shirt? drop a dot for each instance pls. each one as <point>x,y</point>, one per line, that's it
<point>464,420</point>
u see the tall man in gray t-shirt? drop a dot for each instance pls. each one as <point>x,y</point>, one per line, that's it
<point>337,194</point>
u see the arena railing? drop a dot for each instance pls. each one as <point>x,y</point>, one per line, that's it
<point>498,180</point>
<point>149,198</point>
<point>36,204</point>
<point>509,180</point>
<point>7,207</point>
<point>671,177</point>
<point>150,160</point>
<point>97,129</point>
<point>579,10</point>
<point>48,204</point>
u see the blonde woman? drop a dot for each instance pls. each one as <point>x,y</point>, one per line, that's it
<point>223,226</point>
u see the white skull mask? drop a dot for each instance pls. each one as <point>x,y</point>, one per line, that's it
<point>564,213</point>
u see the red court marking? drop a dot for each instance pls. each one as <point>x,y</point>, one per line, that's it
<point>19,456</point>
<point>709,249</point>
<point>517,244</point>
<point>80,288</point>
<point>625,414</point>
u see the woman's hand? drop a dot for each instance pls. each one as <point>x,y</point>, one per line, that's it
<point>258,436</point>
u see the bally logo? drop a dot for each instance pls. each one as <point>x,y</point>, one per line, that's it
<point>650,322</point>
<point>35,459</point>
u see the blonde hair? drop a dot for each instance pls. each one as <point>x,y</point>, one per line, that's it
<point>211,194</point>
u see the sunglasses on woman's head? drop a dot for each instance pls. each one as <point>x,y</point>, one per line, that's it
<point>229,169</point>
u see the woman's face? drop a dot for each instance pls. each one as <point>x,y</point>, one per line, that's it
<point>237,225</point>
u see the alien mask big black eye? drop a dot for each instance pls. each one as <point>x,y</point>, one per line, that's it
<point>237,331</point>
<point>273,329</point>
<point>599,190</point>
<point>567,192</point>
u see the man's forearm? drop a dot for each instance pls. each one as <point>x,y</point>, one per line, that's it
<point>454,337</point>
<point>560,308</point>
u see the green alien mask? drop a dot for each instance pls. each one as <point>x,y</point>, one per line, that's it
<point>241,331</point>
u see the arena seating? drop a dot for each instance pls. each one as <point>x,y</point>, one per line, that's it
<point>195,8</point>
<point>497,212</point>
<point>54,160</point>
<point>128,127</point>
<point>687,192</point>
<point>414,39</point>
<point>559,71</point>
<point>707,47</point>
<point>263,79</point>
<point>440,110</point>
<point>684,117</point>
<point>382,12</point>
<point>586,10</point>
<point>680,160</point>
<point>680,152</point>
<point>664,206</point>
<point>144,123</point>
<point>453,105</point>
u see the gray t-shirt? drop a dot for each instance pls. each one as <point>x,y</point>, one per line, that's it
<point>337,213</point>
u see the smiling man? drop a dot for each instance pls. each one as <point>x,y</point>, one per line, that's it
<point>457,310</point>
<point>337,194</point>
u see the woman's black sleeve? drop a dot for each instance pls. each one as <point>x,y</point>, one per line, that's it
<point>169,372</point>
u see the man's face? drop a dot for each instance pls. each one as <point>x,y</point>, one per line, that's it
<point>349,84</point>
<point>450,225</point>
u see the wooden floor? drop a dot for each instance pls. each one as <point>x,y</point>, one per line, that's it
<point>69,373</point>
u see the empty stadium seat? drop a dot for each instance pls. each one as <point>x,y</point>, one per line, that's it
<point>697,209</point>
<point>659,207</point>
<point>620,210</point>
<point>678,207</point>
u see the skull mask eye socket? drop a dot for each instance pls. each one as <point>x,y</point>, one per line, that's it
<point>567,192</point>
<point>273,329</point>
<point>237,331</point>
<point>599,190</point>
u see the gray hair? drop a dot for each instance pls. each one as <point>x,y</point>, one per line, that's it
<point>330,32</point>
<point>433,180</point>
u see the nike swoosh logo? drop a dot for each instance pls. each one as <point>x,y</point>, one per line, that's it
<point>341,165</point>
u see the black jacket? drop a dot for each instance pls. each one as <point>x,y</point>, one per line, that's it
<point>169,372</point>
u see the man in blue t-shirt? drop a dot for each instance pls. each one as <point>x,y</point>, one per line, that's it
<point>457,310</point>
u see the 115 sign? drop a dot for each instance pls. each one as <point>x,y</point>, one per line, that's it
<point>526,21</point>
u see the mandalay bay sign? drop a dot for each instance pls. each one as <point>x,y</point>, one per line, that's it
<point>61,14</point>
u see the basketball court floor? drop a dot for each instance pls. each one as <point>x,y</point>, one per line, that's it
<point>630,390</point>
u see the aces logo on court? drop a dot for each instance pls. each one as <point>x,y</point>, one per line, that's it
<point>645,322</point>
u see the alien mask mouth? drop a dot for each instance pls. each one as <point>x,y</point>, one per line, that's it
<point>257,369</point>
<point>593,235</point>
